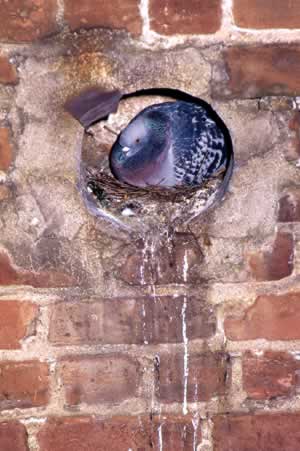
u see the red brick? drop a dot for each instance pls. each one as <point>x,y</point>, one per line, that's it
<point>269,375</point>
<point>180,17</point>
<point>277,263</point>
<point>292,149</point>
<point>8,73</point>
<point>166,264</point>
<point>166,314</point>
<point>13,436</point>
<point>267,14</point>
<point>207,376</point>
<point>130,321</point>
<point>117,434</point>
<point>23,384</point>
<point>17,321</point>
<point>5,193</point>
<point>102,14</point>
<point>259,71</point>
<point>174,433</point>
<point>12,275</point>
<point>270,317</point>
<point>5,149</point>
<point>289,206</point>
<point>94,379</point>
<point>77,323</point>
<point>257,432</point>
<point>27,20</point>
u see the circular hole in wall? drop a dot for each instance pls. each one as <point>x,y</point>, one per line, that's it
<point>135,209</point>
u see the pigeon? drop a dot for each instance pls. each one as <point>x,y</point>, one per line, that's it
<point>179,143</point>
<point>171,144</point>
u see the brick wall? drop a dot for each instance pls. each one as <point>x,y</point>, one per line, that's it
<point>105,344</point>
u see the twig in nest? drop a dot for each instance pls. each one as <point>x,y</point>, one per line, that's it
<point>103,185</point>
<point>110,130</point>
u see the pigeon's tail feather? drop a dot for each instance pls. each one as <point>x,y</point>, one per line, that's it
<point>93,105</point>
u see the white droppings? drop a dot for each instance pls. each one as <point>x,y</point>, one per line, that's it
<point>33,420</point>
<point>35,221</point>
<point>196,393</point>
<point>143,310</point>
<point>258,352</point>
<point>144,262</point>
<point>128,212</point>
<point>185,356</point>
<point>185,267</point>
<point>296,103</point>
<point>149,36</point>
<point>144,323</point>
<point>185,338</point>
<point>195,422</point>
<point>3,177</point>
<point>160,438</point>
<point>151,246</point>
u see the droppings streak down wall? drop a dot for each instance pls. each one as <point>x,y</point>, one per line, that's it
<point>106,344</point>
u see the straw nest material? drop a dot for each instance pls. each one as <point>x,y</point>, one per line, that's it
<point>105,187</point>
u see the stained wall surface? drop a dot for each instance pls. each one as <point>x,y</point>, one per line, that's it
<point>106,343</point>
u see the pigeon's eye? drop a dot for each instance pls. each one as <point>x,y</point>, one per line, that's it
<point>137,140</point>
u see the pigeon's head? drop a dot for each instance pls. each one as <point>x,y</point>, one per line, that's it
<point>140,145</point>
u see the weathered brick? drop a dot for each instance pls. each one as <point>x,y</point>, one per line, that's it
<point>277,263</point>
<point>94,379</point>
<point>256,432</point>
<point>102,14</point>
<point>267,14</point>
<point>170,433</point>
<point>170,17</point>
<point>270,317</point>
<point>269,375</point>
<point>13,436</point>
<point>5,149</point>
<point>23,384</point>
<point>180,262</point>
<point>12,275</point>
<point>167,325</point>
<point>27,20</point>
<point>130,321</point>
<point>17,320</point>
<point>176,433</point>
<point>289,206</point>
<point>8,73</point>
<point>292,148</point>
<point>207,376</point>
<point>259,71</point>
<point>177,261</point>
<point>5,192</point>
<point>77,323</point>
<point>118,434</point>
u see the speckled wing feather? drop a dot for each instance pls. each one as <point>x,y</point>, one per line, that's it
<point>199,145</point>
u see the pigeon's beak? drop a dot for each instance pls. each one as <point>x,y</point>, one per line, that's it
<point>118,155</point>
<point>125,149</point>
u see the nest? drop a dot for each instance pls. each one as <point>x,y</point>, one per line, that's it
<point>105,187</point>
